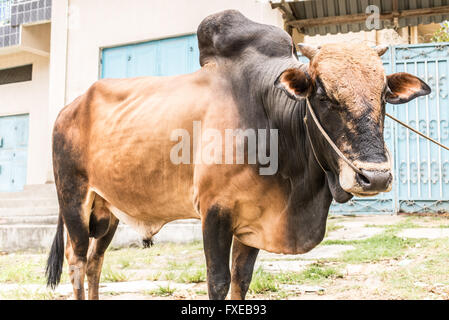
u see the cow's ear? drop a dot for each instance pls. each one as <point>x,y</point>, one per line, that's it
<point>404,87</point>
<point>295,82</point>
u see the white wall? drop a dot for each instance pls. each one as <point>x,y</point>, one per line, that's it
<point>104,23</point>
<point>29,97</point>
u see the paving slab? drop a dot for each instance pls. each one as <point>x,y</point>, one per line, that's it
<point>359,221</point>
<point>353,233</point>
<point>424,233</point>
<point>284,265</point>
<point>302,288</point>
<point>320,252</point>
<point>367,268</point>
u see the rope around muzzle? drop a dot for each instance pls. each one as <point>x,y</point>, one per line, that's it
<point>339,153</point>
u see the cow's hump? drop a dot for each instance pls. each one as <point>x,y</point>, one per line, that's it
<point>229,33</point>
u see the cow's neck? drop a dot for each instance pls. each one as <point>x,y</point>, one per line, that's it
<point>264,106</point>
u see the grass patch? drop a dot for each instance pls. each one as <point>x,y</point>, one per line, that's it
<point>169,276</point>
<point>318,272</point>
<point>154,276</point>
<point>336,241</point>
<point>192,276</point>
<point>162,291</point>
<point>174,265</point>
<point>379,247</point>
<point>124,262</point>
<point>332,226</point>
<point>28,294</point>
<point>201,292</point>
<point>25,268</point>
<point>113,275</point>
<point>314,273</point>
<point>263,282</point>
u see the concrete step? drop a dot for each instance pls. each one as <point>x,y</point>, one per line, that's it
<point>32,192</point>
<point>48,187</point>
<point>12,220</point>
<point>17,237</point>
<point>29,211</point>
<point>31,202</point>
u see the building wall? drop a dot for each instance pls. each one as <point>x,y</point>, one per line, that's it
<point>105,23</point>
<point>29,97</point>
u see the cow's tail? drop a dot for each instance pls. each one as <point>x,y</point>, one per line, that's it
<point>56,256</point>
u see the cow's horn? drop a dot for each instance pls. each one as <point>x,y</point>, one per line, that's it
<point>308,50</point>
<point>381,50</point>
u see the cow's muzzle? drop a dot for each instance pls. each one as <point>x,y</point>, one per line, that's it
<point>372,179</point>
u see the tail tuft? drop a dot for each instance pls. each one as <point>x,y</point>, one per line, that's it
<point>147,243</point>
<point>56,257</point>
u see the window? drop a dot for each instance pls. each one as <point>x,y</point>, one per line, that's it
<point>16,74</point>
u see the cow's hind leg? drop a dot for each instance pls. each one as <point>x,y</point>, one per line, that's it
<point>243,259</point>
<point>217,238</point>
<point>75,204</point>
<point>97,249</point>
<point>76,217</point>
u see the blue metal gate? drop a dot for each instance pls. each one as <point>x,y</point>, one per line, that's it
<point>13,152</point>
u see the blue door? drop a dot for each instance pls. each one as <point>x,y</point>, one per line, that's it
<point>165,57</point>
<point>13,152</point>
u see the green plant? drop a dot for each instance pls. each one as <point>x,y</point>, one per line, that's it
<point>192,276</point>
<point>163,291</point>
<point>112,275</point>
<point>263,282</point>
<point>442,34</point>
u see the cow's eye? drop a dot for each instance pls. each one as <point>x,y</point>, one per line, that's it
<point>321,94</point>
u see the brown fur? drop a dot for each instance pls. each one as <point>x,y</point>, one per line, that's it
<point>352,74</point>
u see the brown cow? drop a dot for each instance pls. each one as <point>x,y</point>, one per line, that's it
<point>113,150</point>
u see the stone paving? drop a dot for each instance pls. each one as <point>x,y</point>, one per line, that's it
<point>425,233</point>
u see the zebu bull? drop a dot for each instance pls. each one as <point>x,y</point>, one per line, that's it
<point>111,150</point>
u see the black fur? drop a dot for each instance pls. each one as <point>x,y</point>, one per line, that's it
<point>217,238</point>
<point>56,257</point>
<point>147,243</point>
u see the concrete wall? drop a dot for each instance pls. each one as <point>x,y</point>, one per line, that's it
<point>29,97</point>
<point>105,23</point>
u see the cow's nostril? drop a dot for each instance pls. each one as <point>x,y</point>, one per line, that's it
<point>363,180</point>
<point>374,180</point>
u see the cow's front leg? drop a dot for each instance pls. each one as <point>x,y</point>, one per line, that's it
<point>243,259</point>
<point>217,238</point>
